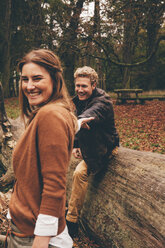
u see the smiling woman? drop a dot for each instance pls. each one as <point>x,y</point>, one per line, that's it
<point>37,84</point>
<point>42,154</point>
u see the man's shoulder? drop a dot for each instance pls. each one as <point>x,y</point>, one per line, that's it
<point>101,95</point>
<point>101,92</point>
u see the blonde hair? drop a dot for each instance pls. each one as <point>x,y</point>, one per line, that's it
<point>48,60</point>
<point>88,72</point>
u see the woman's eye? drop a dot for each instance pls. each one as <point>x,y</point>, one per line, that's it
<point>37,79</point>
<point>25,80</point>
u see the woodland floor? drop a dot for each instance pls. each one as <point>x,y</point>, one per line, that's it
<point>140,127</point>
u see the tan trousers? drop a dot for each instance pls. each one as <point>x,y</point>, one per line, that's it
<point>79,188</point>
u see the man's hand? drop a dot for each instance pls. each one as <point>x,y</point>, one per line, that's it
<point>41,241</point>
<point>84,122</point>
<point>77,153</point>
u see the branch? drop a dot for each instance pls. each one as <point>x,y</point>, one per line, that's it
<point>93,56</point>
<point>125,64</point>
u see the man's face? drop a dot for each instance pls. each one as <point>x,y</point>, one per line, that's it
<point>83,88</point>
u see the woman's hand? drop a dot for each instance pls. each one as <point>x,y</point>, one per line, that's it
<point>77,153</point>
<point>41,242</point>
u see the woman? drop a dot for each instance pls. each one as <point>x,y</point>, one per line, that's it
<point>41,156</point>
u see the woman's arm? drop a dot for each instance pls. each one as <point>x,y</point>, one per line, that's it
<point>41,241</point>
<point>53,142</point>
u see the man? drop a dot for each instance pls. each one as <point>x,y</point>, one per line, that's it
<point>94,143</point>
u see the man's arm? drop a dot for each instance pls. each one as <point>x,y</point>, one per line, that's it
<point>99,108</point>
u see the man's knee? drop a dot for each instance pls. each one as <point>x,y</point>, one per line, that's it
<point>80,174</point>
<point>81,171</point>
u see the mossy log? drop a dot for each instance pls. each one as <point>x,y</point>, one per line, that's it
<point>8,140</point>
<point>125,205</point>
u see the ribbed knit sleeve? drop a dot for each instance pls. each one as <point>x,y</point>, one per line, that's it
<point>54,154</point>
<point>40,161</point>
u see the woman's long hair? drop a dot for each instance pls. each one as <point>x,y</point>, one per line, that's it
<point>48,60</point>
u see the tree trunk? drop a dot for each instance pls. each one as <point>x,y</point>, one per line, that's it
<point>125,206</point>
<point>6,52</point>
<point>6,142</point>
<point>155,17</point>
<point>70,44</point>
<point>97,35</point>
<point>131,28</point>
<point>3,115</point>
<point>69,70</point>
<point>152,31</point>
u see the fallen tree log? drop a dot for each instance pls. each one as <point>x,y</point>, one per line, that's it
<point>10,131</point>
<point>7,143</point>
<point>125,205</point>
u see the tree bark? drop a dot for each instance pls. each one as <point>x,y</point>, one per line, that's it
<point>125,205</point>
<point>131,28</point>
<point>6,140</point>
<point>153,25</point>
<point>69,48</point>
<point>6,49</point>
<point>3,115</point>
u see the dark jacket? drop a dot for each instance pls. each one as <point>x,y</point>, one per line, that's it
<point>97,143</point>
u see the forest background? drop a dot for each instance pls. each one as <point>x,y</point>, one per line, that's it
<point>123,40</point>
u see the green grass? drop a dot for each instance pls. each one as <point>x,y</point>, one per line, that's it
<point>151,93</point>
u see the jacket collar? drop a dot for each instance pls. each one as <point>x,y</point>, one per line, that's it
<point>94,93</point>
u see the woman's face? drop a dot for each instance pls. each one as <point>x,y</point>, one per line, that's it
<point>37,84</point>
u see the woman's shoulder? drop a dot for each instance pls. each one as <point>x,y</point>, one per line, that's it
<point>54,112</point>
<point>54,108</point>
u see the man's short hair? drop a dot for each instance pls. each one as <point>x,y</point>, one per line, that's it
<point>88,72</point>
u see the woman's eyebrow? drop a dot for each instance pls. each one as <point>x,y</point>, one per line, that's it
<point>35,76</point>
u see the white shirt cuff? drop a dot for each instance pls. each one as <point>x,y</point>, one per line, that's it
<point>46,225</point>
<point>8,216</point>
<point>79,124</point>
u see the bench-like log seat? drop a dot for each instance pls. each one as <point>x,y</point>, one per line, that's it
<point>125,95</point>
<point>125,205</point>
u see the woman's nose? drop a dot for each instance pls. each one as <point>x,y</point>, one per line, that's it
<point>30,84</point>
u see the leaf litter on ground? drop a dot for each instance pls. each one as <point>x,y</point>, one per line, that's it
<point>142,127</point>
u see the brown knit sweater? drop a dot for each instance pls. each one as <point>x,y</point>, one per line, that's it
<point>40,162</point>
